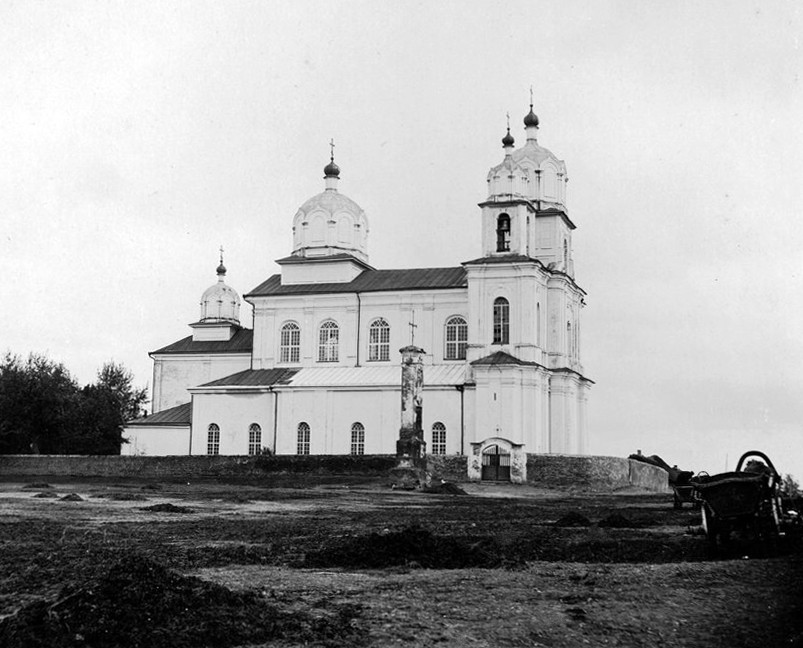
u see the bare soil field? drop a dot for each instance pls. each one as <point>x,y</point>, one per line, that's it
<point>354,563</point>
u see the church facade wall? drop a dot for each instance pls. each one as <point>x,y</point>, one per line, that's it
<point>354,314</point>
<point>173,375</point>
<point>233,414</point>
<point>161,440</point>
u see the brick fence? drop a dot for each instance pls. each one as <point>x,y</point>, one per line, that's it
<point>550,471</point>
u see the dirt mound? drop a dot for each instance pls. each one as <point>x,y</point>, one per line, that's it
<point>141,603</point>
<point>573,519</point>
<point>413,547</point>
<point>123,497</point>
<point>72,497</point>
<point>167,508</point>
<point>617,521</point>
<point>446,488</point>
<point>36,486</point>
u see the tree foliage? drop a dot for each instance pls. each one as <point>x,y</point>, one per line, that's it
<point>43,410</point>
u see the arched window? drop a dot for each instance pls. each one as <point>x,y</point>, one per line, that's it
<point>438,438</point>
<point>213,439</point>
<point>254,439</point>
<point>379,341</point>
<point>357,439</point>
<point>501,321</point>
<point>456,338</point>
<point>503,233</point>
<point>303,439</point>
<point>328,338</point>
<point>290,349</point>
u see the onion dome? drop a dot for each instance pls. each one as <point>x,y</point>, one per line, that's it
<point>530,119</point>
<point>220,302</point>
<point>508,139</point>
<point>331,170</point>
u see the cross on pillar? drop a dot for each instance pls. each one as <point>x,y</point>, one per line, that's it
<point>413,327</point>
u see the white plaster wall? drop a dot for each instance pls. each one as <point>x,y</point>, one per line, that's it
<point>156,441</point>
<point>234,414</point>
<point>320,272</point>
<point>174,374</point>
<point>330,413</point>
<point>431,309</point>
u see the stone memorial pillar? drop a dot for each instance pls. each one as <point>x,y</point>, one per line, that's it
<point>410,470</point>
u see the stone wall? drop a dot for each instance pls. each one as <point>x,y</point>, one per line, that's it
<point>192,466</point>
<point>549,471</point>
<point>594,473</point>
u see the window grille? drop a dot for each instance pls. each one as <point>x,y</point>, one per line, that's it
<point>456,338</point>
<point>501,321</point>
<point>213,440</point>
<point>438,438</point>
<point>379,341</point>
<point>357,439</point>
<point>328,338</point>
<point>290,349</point>
<point>254,439</point>
<point>303,439</point>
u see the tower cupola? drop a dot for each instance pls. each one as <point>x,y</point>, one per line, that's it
<point>220,302</point>
<point>330,223</point>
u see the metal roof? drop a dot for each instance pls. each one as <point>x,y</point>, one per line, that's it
<point>178,415</point>
<point>371,281</point>
<point>376,376</point>
<point>241,342</point>
<point>254,378</point>
<point>502,358</point>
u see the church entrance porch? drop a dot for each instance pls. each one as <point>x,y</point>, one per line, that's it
<point>497,459</point>
<point>495,464</point>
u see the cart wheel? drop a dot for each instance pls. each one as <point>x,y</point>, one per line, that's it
<point>710,525</point>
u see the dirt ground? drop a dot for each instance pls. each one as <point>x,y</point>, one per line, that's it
<point>134,563</point>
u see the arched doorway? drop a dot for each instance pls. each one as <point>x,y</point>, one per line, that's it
<point>495,464</point>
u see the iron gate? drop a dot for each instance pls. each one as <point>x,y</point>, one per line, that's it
<point>495,464</point>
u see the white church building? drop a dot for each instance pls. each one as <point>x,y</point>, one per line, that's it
<point>319,372</point>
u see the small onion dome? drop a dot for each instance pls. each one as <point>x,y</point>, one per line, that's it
<point>331,170</point>
<point>221,269</point>
<point>531,119</point>
<point>508,140</point>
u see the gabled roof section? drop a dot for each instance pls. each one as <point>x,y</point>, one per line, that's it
<point>254,378</point>
<point>503,258</point>
<point>371,281</point>
<point>502,358</point>
<point>241,342</point>
<point>178,415</point>
<point>340,256</point>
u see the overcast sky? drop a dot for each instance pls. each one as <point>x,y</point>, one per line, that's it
<point>138,137</point>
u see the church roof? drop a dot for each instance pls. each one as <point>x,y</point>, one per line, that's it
<point>178,415</point>
<point>371,281</point>
<point>377,375</point>
<point>254,378</point>
<point>241,342</point>
<point>504,258</point>
<point>502,358</point>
